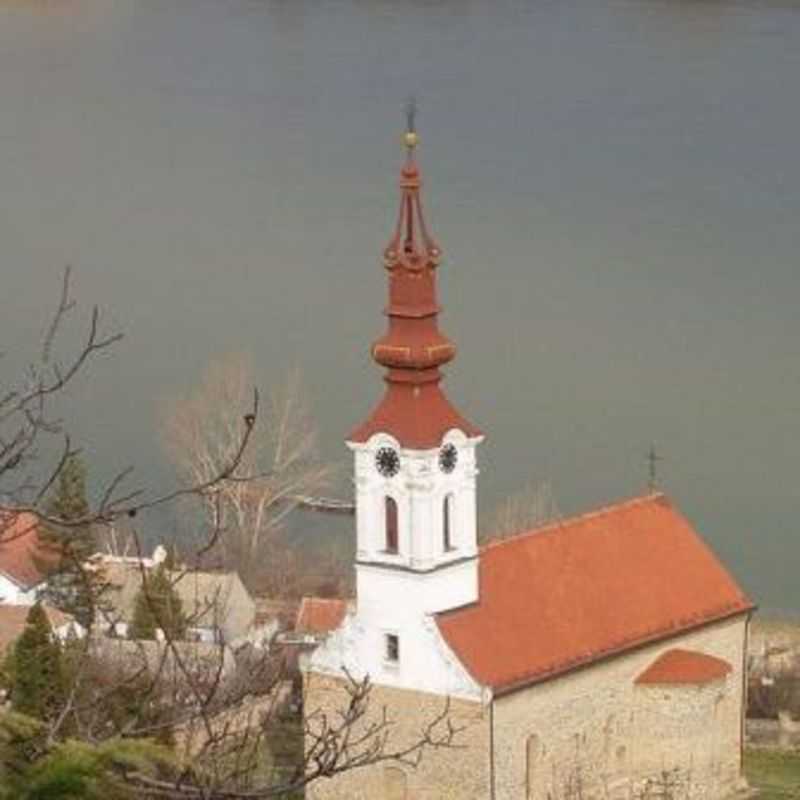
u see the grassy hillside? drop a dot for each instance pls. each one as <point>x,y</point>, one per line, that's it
<point>775,774</point>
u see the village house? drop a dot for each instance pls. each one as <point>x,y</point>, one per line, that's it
<point>173,661</point>
<point>217,604</point>
<point>22,558</point>
<point>597,656</point>
<point>14,618</point>
<point>273,620</point>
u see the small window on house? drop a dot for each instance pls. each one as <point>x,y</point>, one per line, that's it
<point>391,524</point>
<point>447,521</point>
<point>392,647</point>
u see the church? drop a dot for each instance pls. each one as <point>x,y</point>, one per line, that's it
<point>598,656</point>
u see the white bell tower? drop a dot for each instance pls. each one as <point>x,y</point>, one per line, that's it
<point>416,522</point>
<point>415,476</point>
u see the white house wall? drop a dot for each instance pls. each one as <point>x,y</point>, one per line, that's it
<point>13,594</point>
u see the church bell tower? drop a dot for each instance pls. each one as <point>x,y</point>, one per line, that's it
<point>415,468</point>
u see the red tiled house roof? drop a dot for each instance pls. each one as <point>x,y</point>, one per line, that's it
<point>21,551</point>
<point>684,667</point>
<point>576,591</point>
<point>320,615</point>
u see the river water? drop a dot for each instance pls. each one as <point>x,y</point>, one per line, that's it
<point>615,184</point>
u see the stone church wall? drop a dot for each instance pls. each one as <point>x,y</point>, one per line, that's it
<point>595,733</point>
<point>592,733</point>
<point>460,773</point>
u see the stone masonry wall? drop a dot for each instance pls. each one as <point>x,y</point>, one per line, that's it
<point>460,773</point>
<point>595,733</point>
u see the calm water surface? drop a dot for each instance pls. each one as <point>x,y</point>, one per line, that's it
<point>616,185</point>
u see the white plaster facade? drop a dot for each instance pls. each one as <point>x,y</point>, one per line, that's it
<point>11,593</point>
<point>419,488</point>
<point>399,592</point>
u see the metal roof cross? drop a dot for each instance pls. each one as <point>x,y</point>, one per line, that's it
<point>652,463</point>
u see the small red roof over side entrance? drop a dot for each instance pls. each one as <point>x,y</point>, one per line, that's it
<point>684,667</point>
<point>574,592</point>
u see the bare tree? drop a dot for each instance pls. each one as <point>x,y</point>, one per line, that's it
<point>533,505</point>
<point>201,432</point>
<point>29,428</point>
<point>213,718</point>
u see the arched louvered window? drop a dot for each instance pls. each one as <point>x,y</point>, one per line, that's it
<point>390,516</point>
<point>447,522</point>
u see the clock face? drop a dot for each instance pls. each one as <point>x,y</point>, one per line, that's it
<point>448,458</point>
<point>387,461</point>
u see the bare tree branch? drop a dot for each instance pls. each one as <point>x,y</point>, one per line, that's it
<point>279,468</point>
<point>217,708</point>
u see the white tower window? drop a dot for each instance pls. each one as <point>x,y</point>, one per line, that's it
<point>390,525</point>
<point>447,523</point>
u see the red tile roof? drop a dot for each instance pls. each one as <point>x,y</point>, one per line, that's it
<point>414,409</point>
<point>576,591</point>
<point>417,415</point>
<point>684,667</point>
<point>21,550</point>
<point>320,615</point>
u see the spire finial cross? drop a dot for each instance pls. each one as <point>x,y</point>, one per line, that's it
<point>652,465</point>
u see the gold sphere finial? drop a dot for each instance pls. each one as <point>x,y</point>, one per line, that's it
<point>410,136</point>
